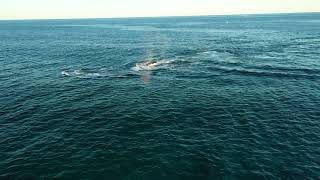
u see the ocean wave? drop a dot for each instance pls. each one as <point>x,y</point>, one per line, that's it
<point>259,72</point>
<point>292,69</point>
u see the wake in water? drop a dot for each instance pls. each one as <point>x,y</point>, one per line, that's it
<point>210,61</point>
<point>82,74</point>
<point>93,74</point>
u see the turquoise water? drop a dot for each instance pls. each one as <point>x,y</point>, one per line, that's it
<point>223,97</point>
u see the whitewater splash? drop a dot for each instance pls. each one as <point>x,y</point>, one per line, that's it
<point>151,65</point>
<point>81,74</point>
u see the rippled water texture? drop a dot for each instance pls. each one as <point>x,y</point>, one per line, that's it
<point>226,97</point>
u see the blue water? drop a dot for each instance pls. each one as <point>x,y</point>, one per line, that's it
<point>223,97</point>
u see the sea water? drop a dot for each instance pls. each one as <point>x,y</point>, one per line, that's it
<point>212,97</point>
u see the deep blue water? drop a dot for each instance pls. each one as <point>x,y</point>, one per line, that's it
<point>225,97</point>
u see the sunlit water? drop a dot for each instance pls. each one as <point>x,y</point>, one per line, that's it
<point>226,97</point>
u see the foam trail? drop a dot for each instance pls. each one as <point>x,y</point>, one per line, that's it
<point>82,74</point>
<point>64,73</point>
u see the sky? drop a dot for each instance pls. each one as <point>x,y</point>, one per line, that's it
<point>67,9</point>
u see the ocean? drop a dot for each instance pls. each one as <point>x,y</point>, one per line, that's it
<point>208,97</point>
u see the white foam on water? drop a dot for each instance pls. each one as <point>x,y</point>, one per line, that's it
<point>151,65</point>
<point>64,73</point>
<point>77,72</point>
<point>82,74</point>
<point>91,75</point>
<point>216,56</point>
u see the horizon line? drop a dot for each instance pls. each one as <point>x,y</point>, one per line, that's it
<point>161,16</point>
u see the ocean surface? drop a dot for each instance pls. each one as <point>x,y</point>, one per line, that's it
<point>199,98</point>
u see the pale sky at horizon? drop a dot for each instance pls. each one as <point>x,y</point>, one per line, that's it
<point>64,9</point>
